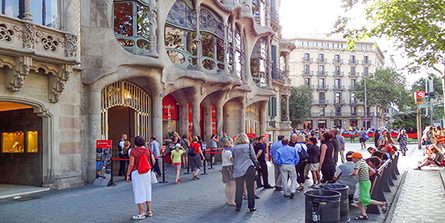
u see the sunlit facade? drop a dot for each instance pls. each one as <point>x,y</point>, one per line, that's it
<point>332,71</point>
<point>76,73</point>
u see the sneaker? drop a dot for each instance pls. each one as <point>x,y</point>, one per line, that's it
<point>418,168</point>
<point>257,197</point>
<point>292,195</point>
<point>268,187</point>
<point>138,217</point>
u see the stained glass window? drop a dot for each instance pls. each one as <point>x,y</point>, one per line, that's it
<point>182,15</point>
<point>212,23</point>
<point>132,25</point>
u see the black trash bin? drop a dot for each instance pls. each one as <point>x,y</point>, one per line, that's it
<point>322,206</point>
<point>344,199</point>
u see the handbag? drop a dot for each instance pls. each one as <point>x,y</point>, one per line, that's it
<point>154,179</point>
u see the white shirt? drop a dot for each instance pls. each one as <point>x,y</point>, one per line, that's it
<point>226,158</point>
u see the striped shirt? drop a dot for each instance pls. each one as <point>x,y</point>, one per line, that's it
<point>363,170</point>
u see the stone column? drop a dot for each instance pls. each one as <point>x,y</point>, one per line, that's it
<point>196,115</point>
<point>94,132</point>
<point>226,47</point>
<point>287,109</point>
<point>269,62</point>
<point>243,117</point>
<point>263,117</point>
<point>183,119</point>
<point>27,15</point>
<point>153,29</point>
<point>219,119</point>
<point>197,40</point>
<point>207,120</point>
<point>157,117</point>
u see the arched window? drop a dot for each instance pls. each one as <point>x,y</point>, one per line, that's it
<point>212,39</point>
<point>132,25</point>
<point>258,64</point>
<point>180,33</point>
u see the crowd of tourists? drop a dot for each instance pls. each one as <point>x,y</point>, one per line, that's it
<point>316,156</point>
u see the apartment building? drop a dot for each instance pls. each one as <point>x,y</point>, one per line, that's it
<point>331,70</point>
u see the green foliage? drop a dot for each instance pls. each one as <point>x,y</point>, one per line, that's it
<point>384,88</point>
<point>419,85</point>
<point>300,103</point>
<point>417,26</point>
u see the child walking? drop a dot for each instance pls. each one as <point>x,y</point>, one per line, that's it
<point>362,170</point>
<point>176,160</point>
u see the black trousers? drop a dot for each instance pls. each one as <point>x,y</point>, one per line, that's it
<point>263,173</point>
<point>122,165</point>
<point>156,168</point>
<point>328,175</point>
<point>300,172</point>
<point>249,179</point>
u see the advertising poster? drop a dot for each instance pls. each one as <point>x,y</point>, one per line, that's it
<point>103,162</point>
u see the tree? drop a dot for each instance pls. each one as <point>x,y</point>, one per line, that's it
<point>300,102</point>
<point>419,85</point>
<point>417,26</point>
<point>383,89</point>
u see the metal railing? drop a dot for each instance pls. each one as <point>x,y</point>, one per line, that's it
<point>321,60</point>
<point>322,87</point>
<point>338,74</point>
<point>321,73</point>
<point>307,60</point>
<point>279,75</point>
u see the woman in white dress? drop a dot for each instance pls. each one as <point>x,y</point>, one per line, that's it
<point>141,182</point>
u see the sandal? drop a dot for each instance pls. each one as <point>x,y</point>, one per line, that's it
<point>362,217</point>
<point>138,217</point>
<point>149,214</point>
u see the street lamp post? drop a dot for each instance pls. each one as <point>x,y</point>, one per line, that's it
<point>366,104</point>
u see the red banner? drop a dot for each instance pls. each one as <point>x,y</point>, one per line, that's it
<point>104,144</point>
<point>170,109</point>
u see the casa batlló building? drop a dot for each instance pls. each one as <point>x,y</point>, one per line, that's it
<point>72,72</point>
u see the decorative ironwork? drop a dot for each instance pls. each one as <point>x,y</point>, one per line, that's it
<point>127,94</point>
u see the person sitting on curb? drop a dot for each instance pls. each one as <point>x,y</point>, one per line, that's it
<point>287,157</point>
<point>436,159</point>
<point>362,170</point>
<point>343,175</point>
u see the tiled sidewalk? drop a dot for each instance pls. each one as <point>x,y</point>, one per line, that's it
<point>421,197</point>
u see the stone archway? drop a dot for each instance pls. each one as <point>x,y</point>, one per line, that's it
<point>35,162</point>
<point>127,95</point>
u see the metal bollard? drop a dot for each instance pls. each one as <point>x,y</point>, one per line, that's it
<point>163,170</point>
<point>205,162</point>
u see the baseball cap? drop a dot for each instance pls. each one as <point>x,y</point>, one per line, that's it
<point>356,155</point>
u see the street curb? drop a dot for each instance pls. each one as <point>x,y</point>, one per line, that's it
<point>395,199</point>
<point>442,177</point>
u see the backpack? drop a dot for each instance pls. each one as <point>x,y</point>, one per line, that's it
<point>192,149</point>
<point>143,165</point>
<point>302,153</point>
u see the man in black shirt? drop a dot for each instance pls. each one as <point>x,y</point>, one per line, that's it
<point>261,150</point>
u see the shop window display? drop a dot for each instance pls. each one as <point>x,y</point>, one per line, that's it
<point>32,141</point>
<point>13,142</point>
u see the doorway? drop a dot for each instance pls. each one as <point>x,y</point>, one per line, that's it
<point>20,145</point>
